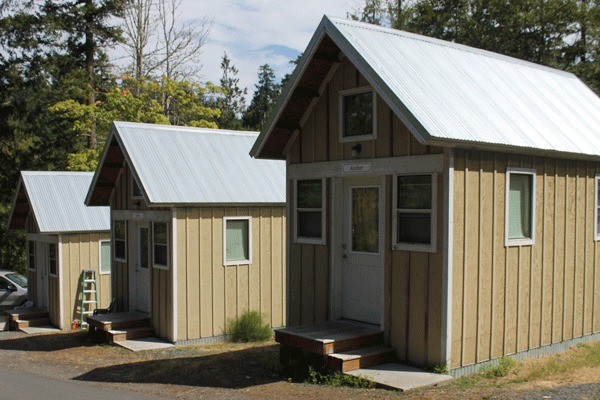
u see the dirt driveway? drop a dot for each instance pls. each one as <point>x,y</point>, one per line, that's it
<point>232,371</point>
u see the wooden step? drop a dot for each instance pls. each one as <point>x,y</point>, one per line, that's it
<point>129,333</point>
<point>25,323</point>
<point>330,337</point>
<point>360,358</point>
<point>26,314</point>
<point>118,321</point>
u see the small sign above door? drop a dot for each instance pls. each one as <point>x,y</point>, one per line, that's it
<point>356,168</point>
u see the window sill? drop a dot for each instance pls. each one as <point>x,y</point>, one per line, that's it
<point>423,248</point>
<point>163,267</point>
<point>309,241</point>
<point>518,242</point>
<point>121,260</point>
<point>237,263</point>
<point>52,275</point>
<point>103,273</point>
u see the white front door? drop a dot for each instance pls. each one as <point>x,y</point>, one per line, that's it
<point>42,255</point>
<point>362,249</point>
<point>141,268</point>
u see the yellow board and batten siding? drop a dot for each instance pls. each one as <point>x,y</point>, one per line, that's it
<point>511,299</point>
<point>79,252</point>
<point>211,294</point>
<point>413,280</point>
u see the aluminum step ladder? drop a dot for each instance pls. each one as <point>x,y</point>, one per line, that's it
<point>89,295</point>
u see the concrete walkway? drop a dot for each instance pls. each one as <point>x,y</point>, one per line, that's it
<point>144,344</point>
<point>26,386</point>
<point>401,377</point>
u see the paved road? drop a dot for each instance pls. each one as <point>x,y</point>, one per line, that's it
<point>19,385</point>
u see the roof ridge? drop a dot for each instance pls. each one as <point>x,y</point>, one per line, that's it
<point>33,172</point>
<point>183,129</point>
<point>452,45</point>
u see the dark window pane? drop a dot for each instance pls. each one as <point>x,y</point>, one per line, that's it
<point>3,284</point>
<point>414,192</point>
<point>120,230</point>
<point>52,259</point>
<point>31,255</point>
<point>160,233</point>
<point>310,193</point>
<point>358,114</point>
<point>136,189</point>
<point>309,224</point>
<point>414,228</point>
<point>120,249</point>
<point>160,254</point>
<point>143,248</point>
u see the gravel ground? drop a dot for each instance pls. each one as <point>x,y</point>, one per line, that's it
<point>585,391</point>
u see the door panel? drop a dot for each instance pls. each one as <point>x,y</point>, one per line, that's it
<point>362,251</point>
<point>141,268</point>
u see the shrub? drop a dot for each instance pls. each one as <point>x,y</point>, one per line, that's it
<point>249,327</point>
<point>440,369</point>
<point>505,364</point>
<point>338,379</point>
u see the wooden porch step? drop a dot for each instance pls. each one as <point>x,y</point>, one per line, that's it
<point>26,314</point>
<point>129,333</point>
<point>118,321</point>
<point>360,358</point>
<point>330,337</point>
<point>25,323</point>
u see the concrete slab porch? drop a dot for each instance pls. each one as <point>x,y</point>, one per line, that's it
<point>401,377</point>
<point>144,344</point>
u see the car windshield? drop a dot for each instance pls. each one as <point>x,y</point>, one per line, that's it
<point>18,279</point>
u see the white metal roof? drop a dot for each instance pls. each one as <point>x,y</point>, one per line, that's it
<point>57,202</point>
<point>453,95</point>
<point>184,165</point>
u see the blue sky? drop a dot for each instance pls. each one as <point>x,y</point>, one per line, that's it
<point>258,32</point>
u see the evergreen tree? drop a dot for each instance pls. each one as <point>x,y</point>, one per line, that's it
<point>267,90</point>
<point>232,102</point>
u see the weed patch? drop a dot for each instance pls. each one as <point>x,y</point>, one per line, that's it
<point>499,370</point>
<point>338,379</point>
<point>249,327</point>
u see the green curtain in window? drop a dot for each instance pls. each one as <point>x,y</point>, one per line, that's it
<point>237,248</point>
<point>519,201</point>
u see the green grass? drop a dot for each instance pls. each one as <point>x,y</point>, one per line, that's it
<point>502,368</point>
<point>338,379</point>
<point>249,327</point>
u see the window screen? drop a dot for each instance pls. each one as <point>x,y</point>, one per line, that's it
<point>237,240</point>
<point>160,243</point>
<point>105,257</point>
<point>520,206</point>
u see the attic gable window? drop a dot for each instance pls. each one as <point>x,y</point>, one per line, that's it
<point>357,114</point>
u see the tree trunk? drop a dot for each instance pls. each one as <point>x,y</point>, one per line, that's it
<point>89,65</point>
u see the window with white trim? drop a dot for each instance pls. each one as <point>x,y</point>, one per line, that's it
<point>104,257</point>
<point>310,211</point>
<point>357,116</point>
<point>52,257</point>
<point>160,245</point>
<point>415,212</point>
<point>237,237</point>
<point>520,206</point>
<point>31,254</point>
<point>597,208</point>
<point>120,240</point>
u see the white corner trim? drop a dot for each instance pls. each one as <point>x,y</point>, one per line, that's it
<point>447,261</point>
<point>526,241</point>
<point>596,205</point>
<point>61,324</point>
<point>174,274</point>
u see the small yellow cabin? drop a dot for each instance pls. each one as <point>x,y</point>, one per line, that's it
<point>198,228</point>
<point>445,196</point>
<point>64,237</point>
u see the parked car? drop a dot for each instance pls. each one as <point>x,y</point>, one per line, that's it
<point>13,289</point>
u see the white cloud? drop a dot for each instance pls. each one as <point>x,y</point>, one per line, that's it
<point>248,30</point>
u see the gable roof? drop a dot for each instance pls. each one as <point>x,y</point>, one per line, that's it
<point>56,201</point>
<point>176,165</point>
<point>446,94</point>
